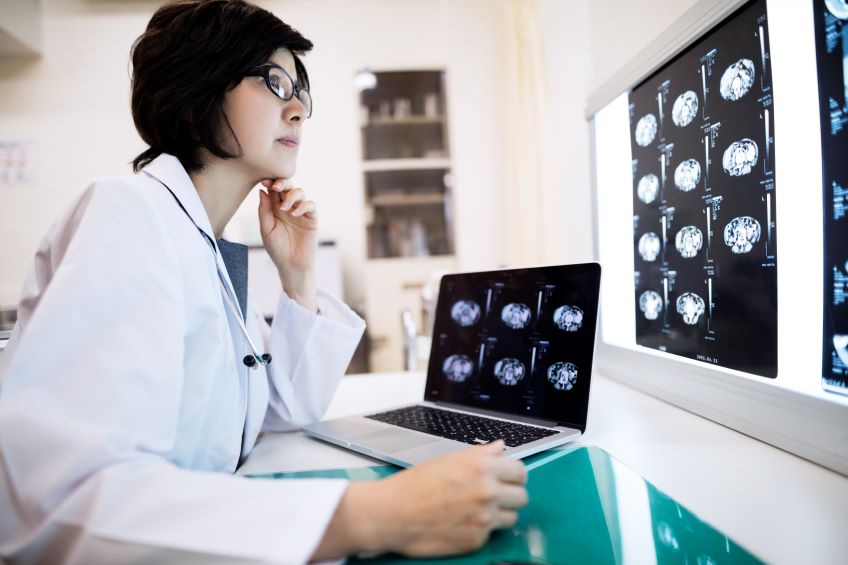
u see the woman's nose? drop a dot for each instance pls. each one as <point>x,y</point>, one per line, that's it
<point>295,110</point>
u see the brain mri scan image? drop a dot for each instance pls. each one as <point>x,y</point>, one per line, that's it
<point>840,344</point>
<point>568,318</point>
<point>562,375</point>
<point>742,233</point>
<point>685,109</point>
<point>516,315</point>
<point>737,80</point>
<point>651,304</point>
<point>465,313</point>
<point>509,371</point>
<point>649,246</point>
<point>457,368</point>
<point>838,8</point>
<point>687,175</point>
<point>688,241</point>
<point>646,130</point>
<point>701,194</point>
<point>740,157</point>
<point>690,306</point>
<point>648,188</point>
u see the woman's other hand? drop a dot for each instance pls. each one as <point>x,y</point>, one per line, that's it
<point>445,506</point>
<point>289,226</point>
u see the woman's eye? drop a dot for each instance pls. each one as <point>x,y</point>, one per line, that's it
<point>275,82</point>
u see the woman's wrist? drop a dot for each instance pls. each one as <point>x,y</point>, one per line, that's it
<point>360,524</point>
<point>300,287</point>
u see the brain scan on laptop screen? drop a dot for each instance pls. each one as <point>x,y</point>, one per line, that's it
<point>517,341</point>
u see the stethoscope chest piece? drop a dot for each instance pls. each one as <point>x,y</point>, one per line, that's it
<point>253,361</point>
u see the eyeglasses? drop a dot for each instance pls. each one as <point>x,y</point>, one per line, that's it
<point>283,85</point>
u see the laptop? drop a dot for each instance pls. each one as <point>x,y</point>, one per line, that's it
<point>511,358</point>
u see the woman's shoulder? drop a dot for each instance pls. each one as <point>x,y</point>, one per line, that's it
<point>113,228</point>
<point>120,200</point>
<point>110,212</point>
<point>138,189</point>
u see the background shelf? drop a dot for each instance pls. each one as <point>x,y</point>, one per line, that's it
<point>405,164</point>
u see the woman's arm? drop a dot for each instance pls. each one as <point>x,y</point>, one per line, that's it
<point>442,507</point>
<point>310,352</point>
<point>310,355</point>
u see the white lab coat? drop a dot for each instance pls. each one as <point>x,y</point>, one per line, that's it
<point>123,394</point>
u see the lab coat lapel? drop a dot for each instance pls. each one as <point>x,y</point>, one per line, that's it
<point>168,170</point>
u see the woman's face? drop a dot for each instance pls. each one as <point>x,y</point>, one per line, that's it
<point>260,121</point>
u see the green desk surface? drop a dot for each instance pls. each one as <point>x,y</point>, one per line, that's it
<point>585,507</point>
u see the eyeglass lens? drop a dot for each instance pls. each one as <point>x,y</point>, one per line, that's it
<point>282,85</point>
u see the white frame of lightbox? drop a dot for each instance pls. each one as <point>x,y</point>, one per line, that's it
<point>813,428</point>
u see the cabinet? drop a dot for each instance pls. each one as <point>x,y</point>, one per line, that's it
<point>406,168</point>
<point>406,165</point>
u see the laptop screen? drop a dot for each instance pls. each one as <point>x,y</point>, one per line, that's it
<point>518,341</point>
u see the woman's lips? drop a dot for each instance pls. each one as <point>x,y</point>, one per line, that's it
<point>289,141</point>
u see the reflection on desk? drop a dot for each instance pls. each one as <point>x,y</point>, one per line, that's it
<point>782,508</point>
<point>585,507</point>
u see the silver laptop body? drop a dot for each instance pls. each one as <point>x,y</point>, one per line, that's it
<point>532,335</point>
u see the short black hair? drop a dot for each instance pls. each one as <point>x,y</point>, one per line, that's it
<point>190,55</point>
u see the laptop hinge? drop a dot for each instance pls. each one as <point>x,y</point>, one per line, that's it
<point>496,414</point>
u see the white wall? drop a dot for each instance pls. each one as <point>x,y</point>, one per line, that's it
<point>586,43</point>
<point>73,103</point>
<point>621,29</point>
<point>568,52</point>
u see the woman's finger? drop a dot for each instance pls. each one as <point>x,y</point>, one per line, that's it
<point>276,198</point>
<point>510,471</point>
<point>511,497</point>
<point>277,185</point>
<point>303,207</point>
<point>504,519</point>
<point>292,196</point>
<point>281,185</point>
<point>266,212</point>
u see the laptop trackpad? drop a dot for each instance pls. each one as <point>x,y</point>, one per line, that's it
<point>390,441</point>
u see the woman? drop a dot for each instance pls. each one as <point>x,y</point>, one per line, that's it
<point>134,385</point>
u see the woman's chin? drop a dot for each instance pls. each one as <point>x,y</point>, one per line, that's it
<point>279,172</point>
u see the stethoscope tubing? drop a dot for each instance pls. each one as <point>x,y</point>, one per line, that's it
<point>255,359</point>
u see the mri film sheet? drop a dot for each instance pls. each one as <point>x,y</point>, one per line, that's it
<point>831,23</point>
<point>704,202</point>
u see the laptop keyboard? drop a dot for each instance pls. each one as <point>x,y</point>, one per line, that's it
<point>461,427</point>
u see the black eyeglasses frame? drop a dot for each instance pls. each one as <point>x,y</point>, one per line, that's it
<point>264,71</point>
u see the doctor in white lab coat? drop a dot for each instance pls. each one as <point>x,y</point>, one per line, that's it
<point>126,399</point>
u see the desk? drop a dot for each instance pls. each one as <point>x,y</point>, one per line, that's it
<point>781,507</point>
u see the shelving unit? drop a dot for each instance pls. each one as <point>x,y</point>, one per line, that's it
<point>385,165</point>
<point>406,169</point>
<point>406,164</point>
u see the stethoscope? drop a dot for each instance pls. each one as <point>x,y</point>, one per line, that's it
<point>254,359</point>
